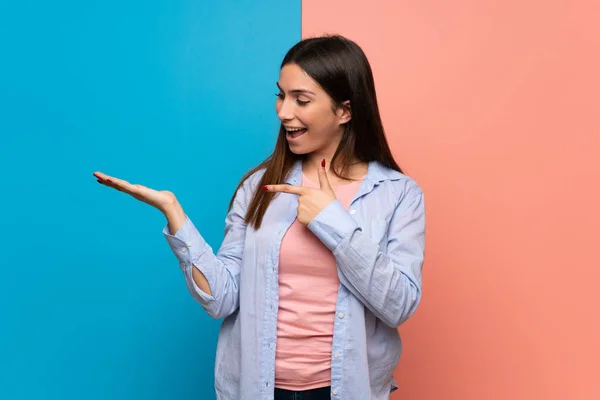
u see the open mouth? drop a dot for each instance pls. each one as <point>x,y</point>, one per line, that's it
<point>293,133</point>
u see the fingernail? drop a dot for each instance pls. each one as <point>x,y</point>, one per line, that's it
<point>323,163</point>
<point>265,188</point>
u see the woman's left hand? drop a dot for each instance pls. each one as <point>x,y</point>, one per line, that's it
<point>311,201</point>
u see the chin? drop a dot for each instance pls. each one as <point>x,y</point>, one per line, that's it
<point>298,150</point>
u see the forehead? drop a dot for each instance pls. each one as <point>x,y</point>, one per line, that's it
<point>292,77</point>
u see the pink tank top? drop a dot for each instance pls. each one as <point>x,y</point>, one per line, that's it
<point>308,287</point>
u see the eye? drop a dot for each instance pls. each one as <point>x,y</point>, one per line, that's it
<point>302,102</point>
<point>280,95</point>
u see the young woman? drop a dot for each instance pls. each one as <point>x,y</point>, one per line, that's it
<point>323,248</point>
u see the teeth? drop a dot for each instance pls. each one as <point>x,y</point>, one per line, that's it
<point>293,129</point>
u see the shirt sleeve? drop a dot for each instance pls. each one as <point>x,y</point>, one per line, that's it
<point>388,283</point>
<point>222,270</point>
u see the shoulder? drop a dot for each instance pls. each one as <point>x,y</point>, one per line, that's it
<point>251,181</point>
<point>247,185</point>
<point>394,183</point>
<point>394,194</point>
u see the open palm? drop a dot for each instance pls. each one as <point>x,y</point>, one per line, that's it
<point>159,199</point>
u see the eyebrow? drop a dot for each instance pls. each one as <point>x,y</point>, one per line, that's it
<point>296,91</point>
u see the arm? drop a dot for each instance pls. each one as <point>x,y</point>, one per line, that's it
<point>176,219</point>
<point>212,279</point>
<point>388,284</point>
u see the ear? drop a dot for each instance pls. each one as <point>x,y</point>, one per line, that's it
<point>344,112</point>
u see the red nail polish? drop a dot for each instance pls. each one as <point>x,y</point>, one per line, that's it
<point>323,163</point>
<point>265,188</point>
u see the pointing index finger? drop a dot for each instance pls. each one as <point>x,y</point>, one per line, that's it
<point>285,189</point>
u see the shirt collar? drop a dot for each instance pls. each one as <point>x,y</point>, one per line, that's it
<point>376,173</point>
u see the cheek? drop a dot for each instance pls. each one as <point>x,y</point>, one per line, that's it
<point>311,118</point>
<point>320,121</point>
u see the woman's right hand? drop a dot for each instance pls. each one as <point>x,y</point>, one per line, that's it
<point>162,200</point>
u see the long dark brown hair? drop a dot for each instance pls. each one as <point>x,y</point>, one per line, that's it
<point>341,68</point>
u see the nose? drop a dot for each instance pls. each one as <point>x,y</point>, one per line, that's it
<point>284,110</point>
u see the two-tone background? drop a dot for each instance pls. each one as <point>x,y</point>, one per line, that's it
<point>490,105</point>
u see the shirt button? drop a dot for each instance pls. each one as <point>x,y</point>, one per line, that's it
<point>336,355</point>
<point>352,212</point>
<point>189,243</point>
<point>183,250</point>
<point>334,392</point>
<point>341,315</point>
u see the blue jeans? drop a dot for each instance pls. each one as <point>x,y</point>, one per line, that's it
<point>323,393</point>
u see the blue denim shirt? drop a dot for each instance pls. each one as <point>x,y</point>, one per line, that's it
<point>378,244</point>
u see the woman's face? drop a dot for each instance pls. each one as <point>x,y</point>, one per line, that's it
<point>312,121</point>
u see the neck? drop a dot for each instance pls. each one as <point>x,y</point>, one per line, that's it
<point>312,162</point>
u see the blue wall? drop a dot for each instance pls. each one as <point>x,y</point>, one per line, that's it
<point>175,95</point>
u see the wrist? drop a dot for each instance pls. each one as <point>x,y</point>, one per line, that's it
<point>172,209</point>
<point>175,217</point>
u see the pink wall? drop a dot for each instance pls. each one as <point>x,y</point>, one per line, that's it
<point>493,106</point>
